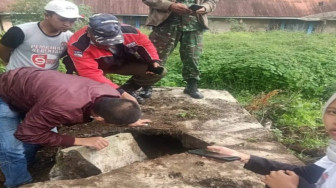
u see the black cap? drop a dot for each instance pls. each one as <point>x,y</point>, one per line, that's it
<point>106,29</point>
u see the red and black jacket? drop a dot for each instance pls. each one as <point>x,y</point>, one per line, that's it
<point>93,62</point>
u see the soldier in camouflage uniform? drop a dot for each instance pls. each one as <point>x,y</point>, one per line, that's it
<point>174,22</point>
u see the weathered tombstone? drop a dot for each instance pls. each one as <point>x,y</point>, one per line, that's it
<point>80,162</point>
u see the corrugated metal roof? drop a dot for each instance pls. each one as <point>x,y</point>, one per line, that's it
<point>321,16</point>
<point>272,8</point>
<point>118,7</point>
<point>225,8</point>
<point>4,5</point>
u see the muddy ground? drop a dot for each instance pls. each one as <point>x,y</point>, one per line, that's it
<point>165,114</point>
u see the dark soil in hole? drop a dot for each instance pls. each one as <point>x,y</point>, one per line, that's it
<point>159,145</point>
<point>165,112</point>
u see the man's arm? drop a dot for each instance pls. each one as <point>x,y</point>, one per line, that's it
<point>209,5</point>
<point>148,52</point>
<point>5,53</point>
<point>263,166</point>
<point>146,48</point>
<point>11,40</point>
<point>88,67</point>
<point>310,173</point>
<point>69,65</point>
<point>167,6</point>
<point>162,5</point>
<point>37,124</point>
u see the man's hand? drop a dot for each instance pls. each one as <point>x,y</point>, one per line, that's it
<point>224,150</point>
<point>126,95</point>
<point>155,68</point>
<point>140,123</point>
<point>280,179</point>
<point>156,64</point>
<point>94,142</point>
<point>180,8</point>
<point>201,11</point>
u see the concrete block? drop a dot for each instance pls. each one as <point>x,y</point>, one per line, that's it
<point>80,162</point>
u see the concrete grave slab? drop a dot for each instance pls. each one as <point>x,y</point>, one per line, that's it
<point>80,162</point>
<point>216,119</point>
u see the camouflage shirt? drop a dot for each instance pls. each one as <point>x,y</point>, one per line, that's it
<point>186,22</point>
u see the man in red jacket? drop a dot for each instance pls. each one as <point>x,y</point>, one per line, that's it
<point>46,99</point>
<point>105,46</point>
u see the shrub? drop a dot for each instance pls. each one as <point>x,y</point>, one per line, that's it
<point>268,61</point>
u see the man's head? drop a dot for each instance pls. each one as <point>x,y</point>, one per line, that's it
<point>61,14</point>
<point>116,110</point>
<point>63,8</point>
<point>105,30</point>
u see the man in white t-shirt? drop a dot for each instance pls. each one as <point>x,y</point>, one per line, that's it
<point>40,44</point>
<point>36,44</point>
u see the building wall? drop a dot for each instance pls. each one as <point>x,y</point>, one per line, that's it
<point>224,25</point>
<point>330,27</point>
<point>136,21</point>
<point>225,8</point>
<point>253,25</point>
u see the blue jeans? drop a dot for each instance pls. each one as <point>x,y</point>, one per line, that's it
<point>13,152</point>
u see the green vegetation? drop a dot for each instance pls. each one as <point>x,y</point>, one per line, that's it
<point>281,78</point>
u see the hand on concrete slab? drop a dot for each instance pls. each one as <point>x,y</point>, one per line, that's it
<point>93,142</point>
<point>224,150</point>
<point>140,123</point>
<point>281,178</point>
<point>180,8</point>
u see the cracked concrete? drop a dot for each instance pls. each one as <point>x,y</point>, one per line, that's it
<point>230,125</point>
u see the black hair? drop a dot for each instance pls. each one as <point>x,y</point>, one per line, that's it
<point>50,13</point>
<point>116,110</point>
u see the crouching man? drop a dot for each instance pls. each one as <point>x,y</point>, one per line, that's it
<point>107,47</point>
<point>33,101</point>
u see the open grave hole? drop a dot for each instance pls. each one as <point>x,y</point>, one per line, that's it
<point>124,149</point>
<point>154,143</point>
<point>159,145</point>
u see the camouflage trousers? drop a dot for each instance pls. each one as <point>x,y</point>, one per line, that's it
<point>166,37</point>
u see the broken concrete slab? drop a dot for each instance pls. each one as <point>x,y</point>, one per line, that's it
<point>181,170</point>
<point>80,162</point>
<point>218,119</point>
